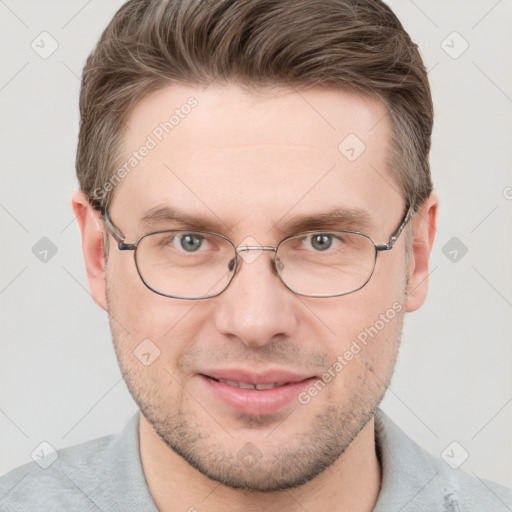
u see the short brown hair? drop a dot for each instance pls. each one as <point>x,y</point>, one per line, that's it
<point>354,45</point>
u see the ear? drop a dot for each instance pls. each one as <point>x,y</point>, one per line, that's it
<point>424,227</point>
<point>91,231</point>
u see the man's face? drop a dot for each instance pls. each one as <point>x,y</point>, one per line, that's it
<point>251,164</point>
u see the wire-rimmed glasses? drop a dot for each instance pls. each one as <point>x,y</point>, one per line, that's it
<point>189,264</point>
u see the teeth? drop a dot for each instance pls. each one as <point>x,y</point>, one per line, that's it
<point>248,385</point>
<point>243,385</point>
<point>266,386</point>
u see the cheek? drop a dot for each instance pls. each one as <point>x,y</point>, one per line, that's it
<point>143,321</point>
<point>362,366</point>
<point>373,311</point>
<point>371,338</point>
<point>366,326</point>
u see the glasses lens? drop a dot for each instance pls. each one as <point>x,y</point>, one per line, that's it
<point>326,263</point>
<point>185,264</point>
<point>191,264</point>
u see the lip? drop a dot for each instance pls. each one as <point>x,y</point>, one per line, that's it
<point>266,377</point>
<point>252,401</point>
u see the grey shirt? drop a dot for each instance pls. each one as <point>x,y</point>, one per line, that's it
<point>106,475</point>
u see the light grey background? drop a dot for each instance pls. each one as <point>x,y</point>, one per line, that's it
<point>59,377</point>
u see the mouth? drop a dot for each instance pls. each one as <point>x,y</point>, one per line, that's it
<point>250,385</point>
<point>254,394</point>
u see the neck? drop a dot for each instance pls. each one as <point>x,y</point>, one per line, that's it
<point>351,483</point>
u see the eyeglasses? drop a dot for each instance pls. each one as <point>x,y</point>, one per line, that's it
<point>185,264</point>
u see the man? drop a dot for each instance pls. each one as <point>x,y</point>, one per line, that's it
<point>255,198</point>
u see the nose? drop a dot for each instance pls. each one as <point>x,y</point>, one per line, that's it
<point>256,308</point>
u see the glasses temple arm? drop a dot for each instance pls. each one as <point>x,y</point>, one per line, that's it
<point>393,238</point>
<point>116,234</point>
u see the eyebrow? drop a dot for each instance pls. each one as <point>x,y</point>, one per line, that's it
<point>166,215</point>
<point>354,219</point>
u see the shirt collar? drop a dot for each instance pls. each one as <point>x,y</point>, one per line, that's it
<point>412,479</point>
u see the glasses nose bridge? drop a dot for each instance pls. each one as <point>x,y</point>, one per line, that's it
<point>255,248</point>
<point>247,248</point>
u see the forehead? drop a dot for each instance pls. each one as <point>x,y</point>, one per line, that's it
<point>255,159</point>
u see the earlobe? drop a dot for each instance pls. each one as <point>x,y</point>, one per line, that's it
<point>91,232</point>
<point>424,226</point>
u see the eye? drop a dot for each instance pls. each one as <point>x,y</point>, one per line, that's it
<point>189,242</point>
<point>320,241</point>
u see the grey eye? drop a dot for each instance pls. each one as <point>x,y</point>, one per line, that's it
<point>321,242</point>
<point>191,242</point>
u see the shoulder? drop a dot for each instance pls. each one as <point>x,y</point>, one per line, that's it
<point>102,474</point>
<point>31,486</point>
<point>414,480</point>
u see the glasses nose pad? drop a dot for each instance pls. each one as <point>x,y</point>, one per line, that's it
<point>279,264</point>
<point>232,264</point>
